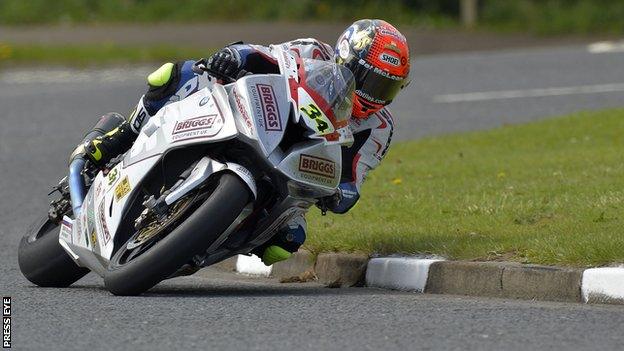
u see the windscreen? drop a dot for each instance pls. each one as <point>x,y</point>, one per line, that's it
<point>334,83</point>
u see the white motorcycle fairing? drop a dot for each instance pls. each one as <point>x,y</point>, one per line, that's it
<point>204,117</point>
<point>254,112</point>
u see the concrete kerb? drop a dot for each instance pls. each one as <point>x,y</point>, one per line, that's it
<point>436,276</point>
<point>399,273</point>
<point>341,270</point>
<point>504,279</point>
<point>603,285</point>
<point>300,267</point>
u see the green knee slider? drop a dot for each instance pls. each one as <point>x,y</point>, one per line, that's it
<point>273,254</point>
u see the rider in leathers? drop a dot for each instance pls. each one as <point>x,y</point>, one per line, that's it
<point>376,53</point>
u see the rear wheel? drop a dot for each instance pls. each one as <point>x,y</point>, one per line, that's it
<point>43,261</point>
<point>154,253</point>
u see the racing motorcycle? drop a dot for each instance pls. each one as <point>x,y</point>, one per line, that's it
<point>209,177</point>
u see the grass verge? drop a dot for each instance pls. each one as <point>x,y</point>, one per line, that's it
<point>536,16</point>
<point>550,192</point>
<point>90,55</point>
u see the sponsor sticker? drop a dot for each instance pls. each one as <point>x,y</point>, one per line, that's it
<point>390,32</point>
<point>197,123</point>
<point>85,227</point>
<point>93,238</point>
<point>122,189</point>
<point>98,189</point>
<point>286,59</point>
<point>270,111</point>
<point>113,175</point>
<point>90,218</point>
<point>66,231</point>
<point>105,233</point>
<point>389,59</point>
<point>379,71</point>
<point>202,126</point>
<point>77,232</point>
<point>368,97</point>
<point>204,100</point>
<point>243,110</point>
<point>317,166</point>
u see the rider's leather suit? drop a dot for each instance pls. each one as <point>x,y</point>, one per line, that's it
<point>372,135</point>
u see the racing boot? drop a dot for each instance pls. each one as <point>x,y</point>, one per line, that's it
<point>104,148</point>
<point>285,242</point>
<point>105,124</point>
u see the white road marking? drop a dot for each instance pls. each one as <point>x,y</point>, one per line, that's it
<point>528,93</point>
<point>602,47</point>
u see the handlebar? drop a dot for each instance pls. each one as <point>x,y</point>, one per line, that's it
<point>200,66</point>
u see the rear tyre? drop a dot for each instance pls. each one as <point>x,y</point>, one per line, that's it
<point>130,274</point>
<point>43,261</point>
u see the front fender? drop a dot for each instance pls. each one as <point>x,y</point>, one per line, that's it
<point>205,168</point>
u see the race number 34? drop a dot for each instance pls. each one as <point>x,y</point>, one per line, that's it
<point>6,322</point>
<point>314,113</point>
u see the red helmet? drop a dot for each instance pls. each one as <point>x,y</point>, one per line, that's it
<point>378,55</point>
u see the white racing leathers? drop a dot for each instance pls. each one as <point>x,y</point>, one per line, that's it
<point>372,135</point>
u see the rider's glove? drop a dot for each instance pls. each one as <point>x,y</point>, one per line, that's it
<point>329,202</point>
<point>226,62</point>
<point>346,197</point>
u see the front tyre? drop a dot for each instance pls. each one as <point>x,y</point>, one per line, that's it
<point>43,261</point>
<point>130,274</point>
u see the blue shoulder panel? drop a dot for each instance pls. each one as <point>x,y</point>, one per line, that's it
<point>185,81</point>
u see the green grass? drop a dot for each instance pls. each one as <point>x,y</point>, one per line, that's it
<point>19,12</point>
<point>89,55</point>
<point>535,16</point>
<point>549,192</point>
<point>553,16</point>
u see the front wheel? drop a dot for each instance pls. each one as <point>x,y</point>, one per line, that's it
<point>43,261</point>
<point>145,260</point>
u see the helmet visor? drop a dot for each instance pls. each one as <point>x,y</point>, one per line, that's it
<point>374,84</point>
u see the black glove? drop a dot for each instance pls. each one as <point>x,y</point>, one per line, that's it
<point>329,202</point>
<point>226,62</point>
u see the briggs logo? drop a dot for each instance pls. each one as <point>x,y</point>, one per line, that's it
<point>390,59</point>
<point>270,111</point>
<point>197,123</point>
<point>316,165</point>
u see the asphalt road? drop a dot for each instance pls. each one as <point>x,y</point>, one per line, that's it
<point>42,121</point>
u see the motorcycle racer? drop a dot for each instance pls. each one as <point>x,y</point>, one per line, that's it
<point>376,53</point>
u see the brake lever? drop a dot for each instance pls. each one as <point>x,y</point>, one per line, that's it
<point>200,66</point>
